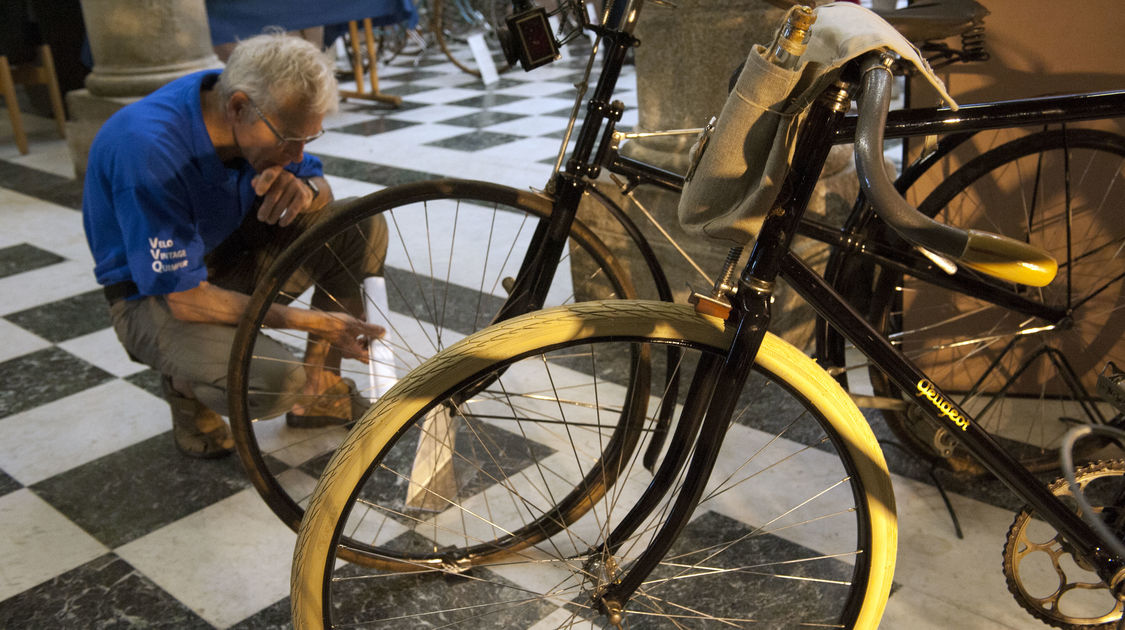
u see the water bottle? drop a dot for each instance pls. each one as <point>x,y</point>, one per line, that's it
<point>792,39</point>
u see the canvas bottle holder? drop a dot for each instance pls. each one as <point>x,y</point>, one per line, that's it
<point>737,171</point>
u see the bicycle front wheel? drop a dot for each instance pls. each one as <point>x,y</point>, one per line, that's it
<point>1024,379</point>
<point>796,526</point>
<point>452,248</point>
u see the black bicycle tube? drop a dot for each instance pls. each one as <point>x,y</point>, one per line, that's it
<point>925,121</point>
<point>941,408</point>
<point>687,429</point>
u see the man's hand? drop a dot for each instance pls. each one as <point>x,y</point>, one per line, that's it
<point>351,335</point>
<point>283,196</point>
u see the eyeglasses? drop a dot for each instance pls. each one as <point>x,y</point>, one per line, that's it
<point>281,140</point>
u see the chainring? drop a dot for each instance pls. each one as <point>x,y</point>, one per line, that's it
<point>1043,574</point>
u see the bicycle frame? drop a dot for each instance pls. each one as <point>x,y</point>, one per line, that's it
<point>708,408</point>
<point>568,186</point>
<point>769,259</point>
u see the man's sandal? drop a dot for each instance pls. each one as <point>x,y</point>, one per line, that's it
<point>198,431</point>
<point>339,405</point>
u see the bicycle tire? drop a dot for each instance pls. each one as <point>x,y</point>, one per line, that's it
<point>283,462</point>
<point>1030,428</point>
<point>451,28</point>
<point>858,520</point>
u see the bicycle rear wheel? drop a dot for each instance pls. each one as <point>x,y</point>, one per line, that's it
<point>453,246</point>
<point>1025,380</point>
<point>455,21</point>
<point>796,527</point>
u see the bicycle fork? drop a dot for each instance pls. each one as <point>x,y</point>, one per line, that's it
<point>750,313</point>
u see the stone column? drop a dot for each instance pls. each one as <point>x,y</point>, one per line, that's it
<point>684,66</point>
<point>138,46</point>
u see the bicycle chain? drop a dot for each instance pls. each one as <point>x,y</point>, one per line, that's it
<point>1019,547</point>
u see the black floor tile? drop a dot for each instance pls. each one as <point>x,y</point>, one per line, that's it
<point>25,257</point>
<point>373,173</point>
<point>106,593</point>
<point>508,454</point>
<point>480,120</point>
<point>375,126</point>
<point>485,598</point>
<point>45,376</point>
<point>65,319</point>
<point>33,182</point>
<point>275,617</point>
<point>148,380</point>
<point>506,81</point>
<point>7,484</point>
<point>771,583</point>
<point>411,76</point>
<point>475,141</point>
<point>405,90</point>
<point>129,493</point>
<point>486,101</point>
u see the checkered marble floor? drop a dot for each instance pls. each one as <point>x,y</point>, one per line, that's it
<point>103,524</point>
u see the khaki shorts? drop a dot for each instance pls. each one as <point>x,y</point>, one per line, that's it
<point>199,353</point>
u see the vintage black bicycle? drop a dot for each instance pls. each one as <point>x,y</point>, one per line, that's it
<point>504,480</point>
<point>464,254</point>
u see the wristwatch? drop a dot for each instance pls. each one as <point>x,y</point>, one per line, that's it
<point>312,186</point>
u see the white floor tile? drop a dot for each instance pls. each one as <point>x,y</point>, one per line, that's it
<point>539,88</point>
<point>46,152</point>
<point>44,285</point>
<point>43,143</point>
<point>450,79</point>
<point>542,105</point>
<point>17,341</point>
<point>931,559</point>
<point>438,96</point>
<point>360,111</point>
<point>102,349</point>
<point>528,149</point>
<point>343,187</point>
<point>917,609</point>
<point>38,543</point>
<point>237,561</point>
<point>389,148</point>
<point>531,125</point>
<point>54,228</point>
<point>434,113</point>
<point>50,439</point>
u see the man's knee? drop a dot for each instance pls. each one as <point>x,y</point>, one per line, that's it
<point>273,389</point>
<point>358,252</point>
<point>369,244</point>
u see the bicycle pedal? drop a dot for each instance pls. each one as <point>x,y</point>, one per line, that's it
<point>1111,386</point>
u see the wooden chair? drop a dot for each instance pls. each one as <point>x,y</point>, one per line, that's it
<point>357,66</point>
<point>31,73</point>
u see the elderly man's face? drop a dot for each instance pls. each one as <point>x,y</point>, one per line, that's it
<point>276,138</point>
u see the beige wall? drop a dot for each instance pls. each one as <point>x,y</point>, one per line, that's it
<point>1043,47</point>
<point>1038,47</point>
